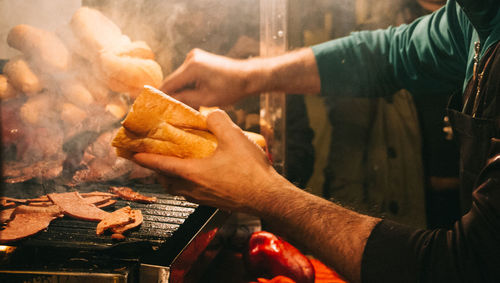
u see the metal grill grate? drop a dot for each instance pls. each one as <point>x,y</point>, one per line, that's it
<point>161,220</point>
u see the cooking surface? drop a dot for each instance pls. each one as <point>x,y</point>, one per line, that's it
<point>161,220</point>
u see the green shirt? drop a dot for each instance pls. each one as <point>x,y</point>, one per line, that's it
<point>432,55</point>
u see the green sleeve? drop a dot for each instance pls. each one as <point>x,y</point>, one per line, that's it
<point>427,56</point>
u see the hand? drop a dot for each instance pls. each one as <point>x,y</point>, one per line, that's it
<point>206,79</point>
<point>233,178</point>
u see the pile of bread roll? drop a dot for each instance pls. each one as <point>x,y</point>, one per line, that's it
<point>92,63</point>
<point>68,79</point>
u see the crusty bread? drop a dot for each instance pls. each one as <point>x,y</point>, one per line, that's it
<point>136,49</point>
<point>193,146</point>
<point>257,138</point>
<point>6,89</point>
<point>124,66</point>
<point>76,93</point>
<point>41,46</point>
<point>72,115</point>
<point>153,107</point>
<point>129,74</point>
<point>95,31</point>
<point>21,76</point>
<point>157,123</point>
<point>34,110</point>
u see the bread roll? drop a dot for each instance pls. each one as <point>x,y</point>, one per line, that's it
<point>157,123</point>
<point>76,93</point>
<point>257,138</point>
<point>136,49</point>
<point>124,66</point>
<point>37,110</point>
<point>41,46</point>
<point>129,74</point>
<point>72,115</point>
<point>89,78</point>
<point>153,107</point>
<point>21,76</point>
<point>118,107</point>
<point>193,146</point>
<point>95,31</point>
<point>6,89</point>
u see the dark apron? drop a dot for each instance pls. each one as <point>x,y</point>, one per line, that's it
<point>477,122</point>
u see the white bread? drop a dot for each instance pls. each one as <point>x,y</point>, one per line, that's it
<point>21,76</point>
<point>72,115</point>
<point>124,66</point>
<point>257,138</point>
<point>159,124</point>
<point>76,93</point>
<point>95,31</point>
<point>153,107</point>
<point>34,110</point>
<point>129,74</point>
<point>117,106</point>
<point>43,47</point>
<point>6,89</point>
<point>136,49</point>
<point>193,146</point>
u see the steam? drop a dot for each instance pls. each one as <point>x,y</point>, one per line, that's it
<point>53,124</point>
<point>45,14</point>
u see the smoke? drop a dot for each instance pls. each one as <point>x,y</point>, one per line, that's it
<point>46,14</point>
<point>63,118</point>
<point>172,28</point>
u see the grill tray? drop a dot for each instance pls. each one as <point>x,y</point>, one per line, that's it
<point>168,225</point>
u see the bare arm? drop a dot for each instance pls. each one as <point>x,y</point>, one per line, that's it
<point>238,177</point>
<point>208,79</point>
<point>334,234</point>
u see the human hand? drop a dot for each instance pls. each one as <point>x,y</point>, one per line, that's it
<point>206,79</point>
<point>235,177</point>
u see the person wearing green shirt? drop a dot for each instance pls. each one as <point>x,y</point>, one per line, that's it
<point>451,49</point>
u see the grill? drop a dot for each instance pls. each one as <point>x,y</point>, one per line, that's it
<point>173,242</point>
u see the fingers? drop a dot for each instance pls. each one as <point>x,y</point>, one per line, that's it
<point>177,80</point>
<point>165,164</point>
<point>175,185</point>
<point>221,125</point>
<point>184,76</point>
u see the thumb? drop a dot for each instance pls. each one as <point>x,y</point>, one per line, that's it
<point>221,125</point>
<point>165,164</point>
<point>179,79</point>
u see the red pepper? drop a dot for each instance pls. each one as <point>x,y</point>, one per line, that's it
<point>269,256</point>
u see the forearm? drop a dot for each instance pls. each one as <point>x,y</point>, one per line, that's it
<point>293,72</point>
<point>332,233</point>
